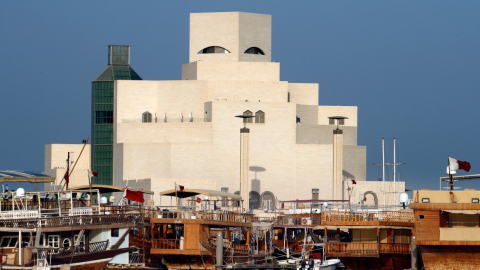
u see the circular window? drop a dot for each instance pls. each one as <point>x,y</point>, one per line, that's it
<point>421,217</point>
<point>67,243</point>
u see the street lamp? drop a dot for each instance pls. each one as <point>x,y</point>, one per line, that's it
<point>337,159</point>
<point>244,136</point>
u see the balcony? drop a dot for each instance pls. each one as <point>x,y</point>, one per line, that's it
<point>72,221</point>
<point>368,218</point>
<point>359,249</point>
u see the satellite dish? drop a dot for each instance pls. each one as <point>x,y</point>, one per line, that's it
<point>103,200</point>
<point>112,199</point>
<point>325,204</point>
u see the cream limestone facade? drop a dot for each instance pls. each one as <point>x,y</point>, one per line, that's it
<point>56,164</point>
<point>194,137</point>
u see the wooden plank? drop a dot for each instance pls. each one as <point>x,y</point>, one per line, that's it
<point>200,221</point>
<point>178,252</point>
<point>445,206</point>
<point>191,236</point>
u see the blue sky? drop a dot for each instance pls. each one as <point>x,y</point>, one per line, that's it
<point>411,67</point>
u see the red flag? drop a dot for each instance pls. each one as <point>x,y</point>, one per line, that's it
<point>354,182</point>
<point>67,177</point>
<point>458,165</point>
<point>199,200</point>
<point>134,196</point>
<point>463,165</point>
<point>179,188</point>
<point>92,174</point>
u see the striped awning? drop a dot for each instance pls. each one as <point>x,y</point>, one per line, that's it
<point>25,176</point>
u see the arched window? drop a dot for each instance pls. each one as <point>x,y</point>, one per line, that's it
<point>146,117</point>
<point>259,117</point>
<point>214,49</point>
<point>248,120</point>
<point>254,200</point>
<point>268,200</point>
<point>254,50</point>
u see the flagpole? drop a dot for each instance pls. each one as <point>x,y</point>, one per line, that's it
<point>90,183</point>
<point>449,174</point>
<point>176,197</point>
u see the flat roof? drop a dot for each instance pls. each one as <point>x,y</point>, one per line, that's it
<point>108,188</point>
<point>193,192</point>
<point>25,176</point>
<point>461,177</point>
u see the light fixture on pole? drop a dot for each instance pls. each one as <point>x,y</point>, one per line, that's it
<point>244,146</point>
<point>338,193</point>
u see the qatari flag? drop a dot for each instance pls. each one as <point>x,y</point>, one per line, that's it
<point>456,165</point>
<point>134,196</point>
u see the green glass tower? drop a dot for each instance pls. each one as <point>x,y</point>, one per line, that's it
<point>103,111</point>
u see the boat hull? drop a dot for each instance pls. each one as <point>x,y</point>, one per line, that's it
<point>450,257</point>
<point>397,262</point>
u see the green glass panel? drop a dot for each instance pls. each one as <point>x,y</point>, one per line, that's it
<point>121,72</point>
<point>134,75</point>
<point>106,75</point>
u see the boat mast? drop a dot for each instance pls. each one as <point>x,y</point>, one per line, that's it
<point>383,165</point>
<point>394,175</point>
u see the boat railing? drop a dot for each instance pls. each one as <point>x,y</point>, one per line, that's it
<point>395,248</point>
<point>136,259</point>
<point>141,238</point>
<point>367,217</point>
<point>81,249</point>
<point>351,249</point>
<point>72,221</point>
<point>300,219</point>
<point>232,217</point>
<point>166,243</point>
<point>230,245</point>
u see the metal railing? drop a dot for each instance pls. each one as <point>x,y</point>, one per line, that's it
<point>135,259</point>
<point>72,221</point>
<point>81,249</point>
<point>367,216</point>
<point>300,219</point>
<point>168,120</point>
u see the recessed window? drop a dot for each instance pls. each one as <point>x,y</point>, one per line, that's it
<point>259,117</point>
<point>225,189</point>
<point>421,217</point>
<point>341,122</point>
<point>331,121</point>
<point>82,239</point>
<point>54,241</point>
<point>254,50</point>
<point>146,117</point>
<point>248,120</point>
<point>315,192</point>
<point>298,120</point>
<point>214,49</point>
<point>9,241</point>
<point>115,232</point>
<point>475,200</point>
<point>425,200</point>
